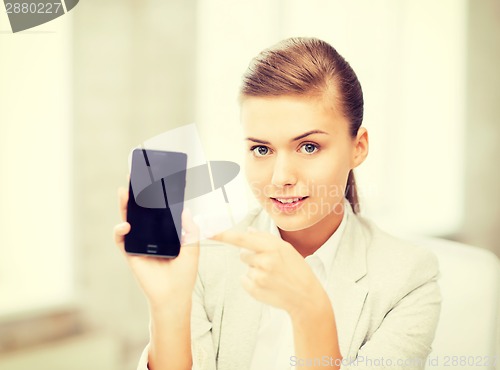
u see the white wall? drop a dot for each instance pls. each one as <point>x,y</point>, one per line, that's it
<point>482,222</point>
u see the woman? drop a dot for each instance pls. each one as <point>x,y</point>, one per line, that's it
<point>304,281</point>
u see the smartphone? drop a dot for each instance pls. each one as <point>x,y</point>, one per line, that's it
<point>155,203</point>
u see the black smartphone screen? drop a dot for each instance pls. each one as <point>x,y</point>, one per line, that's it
<point>155,203</point>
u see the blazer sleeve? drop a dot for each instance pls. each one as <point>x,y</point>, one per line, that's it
<point>202,347</point>
<point>404,338</point>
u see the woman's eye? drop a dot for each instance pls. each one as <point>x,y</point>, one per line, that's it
<point>308,148</point>
<point>260,151</point>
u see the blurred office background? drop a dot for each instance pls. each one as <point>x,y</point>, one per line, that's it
<point>76,94</point>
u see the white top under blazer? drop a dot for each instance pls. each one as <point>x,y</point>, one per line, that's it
<point>274,346</point>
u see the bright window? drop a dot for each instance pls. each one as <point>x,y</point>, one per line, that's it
<point>36,246</point>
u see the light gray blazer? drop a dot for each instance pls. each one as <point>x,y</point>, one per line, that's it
<point>383,290</point>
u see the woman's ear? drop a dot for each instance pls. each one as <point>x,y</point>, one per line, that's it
<point>360,147</point>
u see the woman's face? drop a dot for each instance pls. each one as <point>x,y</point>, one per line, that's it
<point>299,154</point>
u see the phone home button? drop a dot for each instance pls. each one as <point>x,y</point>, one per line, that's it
<point>152,248</point>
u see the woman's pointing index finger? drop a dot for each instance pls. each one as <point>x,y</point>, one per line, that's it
<point>250,240</point>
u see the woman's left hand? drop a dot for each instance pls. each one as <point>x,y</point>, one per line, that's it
<point>278,275</point>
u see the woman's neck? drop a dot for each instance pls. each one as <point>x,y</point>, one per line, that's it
<point>308,241</point>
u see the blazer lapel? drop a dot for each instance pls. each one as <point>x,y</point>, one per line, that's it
<point>349,266</point>
<point>241,312</point>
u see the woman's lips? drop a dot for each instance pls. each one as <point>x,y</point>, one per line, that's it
<point>288,204</point>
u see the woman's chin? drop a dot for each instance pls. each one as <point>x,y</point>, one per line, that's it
<point>291,222</point>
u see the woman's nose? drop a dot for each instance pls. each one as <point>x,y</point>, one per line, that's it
<point>284,172</point>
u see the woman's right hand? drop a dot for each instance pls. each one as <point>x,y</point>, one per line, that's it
<point>163,280</point>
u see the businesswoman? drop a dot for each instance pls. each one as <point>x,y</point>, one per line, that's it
<point>304,281</point>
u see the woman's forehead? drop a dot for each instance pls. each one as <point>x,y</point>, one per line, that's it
<point>290,116</point>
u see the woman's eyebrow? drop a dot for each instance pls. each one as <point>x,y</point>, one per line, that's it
<point>258,140</point>
<point>305,134</point>
<point>308,133</point>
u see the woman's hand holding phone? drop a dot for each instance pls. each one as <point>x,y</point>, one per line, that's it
<point>168,284</point>
<point>165,281</point>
